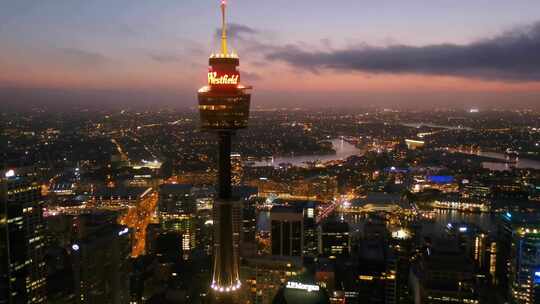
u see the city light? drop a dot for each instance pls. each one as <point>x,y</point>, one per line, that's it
<point>10,173</point>
<point>401,234</point>
<point>123,231</point>
<point>537,277</point>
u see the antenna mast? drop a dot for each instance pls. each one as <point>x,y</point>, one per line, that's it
<point>224,50</point>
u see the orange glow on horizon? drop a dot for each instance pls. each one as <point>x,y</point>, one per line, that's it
<point>166,77</point>
<point>365,82</point>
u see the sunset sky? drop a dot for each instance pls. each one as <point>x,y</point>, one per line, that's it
<point>344,52</point>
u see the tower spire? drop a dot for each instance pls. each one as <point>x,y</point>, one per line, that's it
<point>224,50</point>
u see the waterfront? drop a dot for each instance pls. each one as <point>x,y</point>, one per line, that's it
<point>343,150</point>
<point>433,229</point>
<point>436,227</point>
<point>521,163</point>
<point>487,222</point>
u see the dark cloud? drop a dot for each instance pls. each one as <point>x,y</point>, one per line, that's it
<point>80,57</point>
<point>513,55</point>
<point>236,31</point>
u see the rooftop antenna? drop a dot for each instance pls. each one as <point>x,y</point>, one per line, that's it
<point>224,50</point>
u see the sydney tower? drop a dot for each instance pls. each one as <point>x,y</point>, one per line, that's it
<point>224,108</point>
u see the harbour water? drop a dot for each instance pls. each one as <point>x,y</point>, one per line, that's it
<point>521,163</point>
<point>485,221</point>
<point>343,150</point>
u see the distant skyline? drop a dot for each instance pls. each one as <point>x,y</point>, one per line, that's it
<point>309,53</point>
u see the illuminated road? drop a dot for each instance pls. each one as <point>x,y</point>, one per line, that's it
<point>119,148</point>
<point>136,139</point>
<point>138,218</point>
<point>328,209</point>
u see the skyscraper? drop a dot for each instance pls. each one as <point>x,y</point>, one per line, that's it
<point>177,209</point>
<point>237,169</point>
<point>444,275</point>
<point>224,108</point>
<point>100,259</point>
<point>287,231</point>
<point>519,259</point>
<point>22,241</point>
<point>335,240</point>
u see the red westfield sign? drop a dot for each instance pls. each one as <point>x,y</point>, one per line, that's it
<point>223,79</point>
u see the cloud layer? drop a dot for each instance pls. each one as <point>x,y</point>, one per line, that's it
<point>513,56</point>
<point>236,31</point>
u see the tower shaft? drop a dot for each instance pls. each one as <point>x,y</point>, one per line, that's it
<point>226,211</point>
<point>225,191</point>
